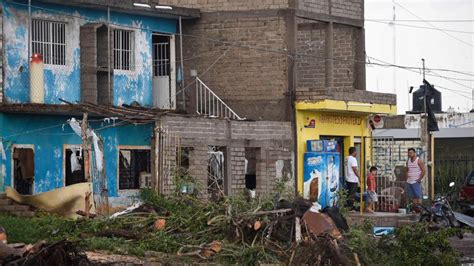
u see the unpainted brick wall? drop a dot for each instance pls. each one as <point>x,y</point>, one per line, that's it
<point>311,74</point>
<point>252,82</point>
<point>341,8</point>
<point>227,5</point>
<point>312,83</point>
<point>273,140</point>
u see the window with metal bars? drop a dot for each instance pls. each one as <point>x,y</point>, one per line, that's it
<point>124,57</point>
<point>48,38</point>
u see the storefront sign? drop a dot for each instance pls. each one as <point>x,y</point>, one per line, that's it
<point>339,119</point>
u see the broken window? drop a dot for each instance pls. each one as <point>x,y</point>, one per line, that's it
<point>23,170</point>
<point>134,168</point>
<point>124,55</point>
<point>251,168</point>
<point>74,162</point>
<point>48,38</point>
<point>183,155</point>
<point>215,171</point>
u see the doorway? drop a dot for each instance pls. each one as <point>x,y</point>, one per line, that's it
<point>164,76</point>
<point>23,169</point>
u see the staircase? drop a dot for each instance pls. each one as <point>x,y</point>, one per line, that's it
<point>209,104</point>
<point>7,206</point>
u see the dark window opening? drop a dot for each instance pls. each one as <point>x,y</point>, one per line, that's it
<point>251,168</point>
<point>183,157</point>
<point>133,165</point>
<point>74,167</point>
<point>216,171</point>
<point>23,170</point>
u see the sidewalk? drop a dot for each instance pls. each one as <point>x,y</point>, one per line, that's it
<point>382,218</point>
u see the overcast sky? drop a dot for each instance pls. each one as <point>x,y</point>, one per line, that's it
<point>454,52</point>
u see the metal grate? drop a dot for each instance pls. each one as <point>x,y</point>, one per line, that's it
<point>48,38</point>
<point>161,59</point>
<point>124,56</point>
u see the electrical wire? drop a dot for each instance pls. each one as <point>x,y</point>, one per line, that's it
<point>427,20</point>
<point>421,27</point>
<point>431,24</point>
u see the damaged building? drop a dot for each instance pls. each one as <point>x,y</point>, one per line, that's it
<point>118,63</point>
<point>229,91</point>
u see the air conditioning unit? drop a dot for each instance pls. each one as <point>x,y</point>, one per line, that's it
<point>145,180</point>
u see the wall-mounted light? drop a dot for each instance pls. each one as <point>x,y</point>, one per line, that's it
<point>164,7</point>
<point>141,5</point>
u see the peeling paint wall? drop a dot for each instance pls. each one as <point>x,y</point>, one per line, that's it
<point>445,120</point>
<point>49,134</point>
<point>64,81</point>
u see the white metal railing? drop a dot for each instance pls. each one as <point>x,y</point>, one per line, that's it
<point>208,103</point>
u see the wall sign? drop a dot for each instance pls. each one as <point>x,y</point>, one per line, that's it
<point>339,119</point>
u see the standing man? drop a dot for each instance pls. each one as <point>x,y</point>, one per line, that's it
<point>415,173</point>
<point>352,176</point>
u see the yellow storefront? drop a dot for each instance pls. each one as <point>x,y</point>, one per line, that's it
<point>346,122</point>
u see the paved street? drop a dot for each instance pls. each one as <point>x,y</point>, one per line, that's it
<point>465,246</point>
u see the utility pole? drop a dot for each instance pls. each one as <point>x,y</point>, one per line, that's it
<point>85,148</point>
<point>427,134</point>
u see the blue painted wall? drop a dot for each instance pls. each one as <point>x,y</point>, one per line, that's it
<point>64,81</point>
<point>49,134</point>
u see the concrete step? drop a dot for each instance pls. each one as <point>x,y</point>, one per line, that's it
<point>5,202</point>
<point>28,214</point>
<point>9,208</point>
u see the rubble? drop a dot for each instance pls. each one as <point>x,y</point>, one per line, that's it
<point>62,253</point>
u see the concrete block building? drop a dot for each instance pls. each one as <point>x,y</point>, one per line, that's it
<point>226,89</point>
<point>300,61</point>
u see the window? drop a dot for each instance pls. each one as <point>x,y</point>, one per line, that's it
<point>48,38</point>
<point>74,163</point>
<point>133,165</point>
<point>216,171</point>
<point>251,168</point>
<point>23,169</point>
<point>123,50</point>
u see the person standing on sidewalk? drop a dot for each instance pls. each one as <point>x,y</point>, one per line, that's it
<point>415,173</point>
<point>352,176</point>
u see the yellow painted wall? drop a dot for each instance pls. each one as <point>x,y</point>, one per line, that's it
<point>341,124</point>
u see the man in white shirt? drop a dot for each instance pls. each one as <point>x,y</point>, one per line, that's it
<point>352,176</point>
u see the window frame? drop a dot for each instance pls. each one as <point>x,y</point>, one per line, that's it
<point>120,51</point>
<point>12,163</point>
<point>69,147</point>
<point>49,60</point>
<point>130,147</point>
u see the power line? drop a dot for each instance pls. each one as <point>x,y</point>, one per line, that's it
<point>421,27</point>
<point>453,91</point>
<point>431,24</point>
<point>427,20</point>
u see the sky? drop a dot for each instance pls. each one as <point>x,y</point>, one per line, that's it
<point>441,49</point>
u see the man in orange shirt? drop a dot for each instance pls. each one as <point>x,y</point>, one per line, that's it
<point>371,187</point>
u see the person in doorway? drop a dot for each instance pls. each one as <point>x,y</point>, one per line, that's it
<point>415,173</point>
<point>371,187</point>
<point>352,176</point>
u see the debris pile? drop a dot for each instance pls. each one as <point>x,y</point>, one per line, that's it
<point>60,253</point>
